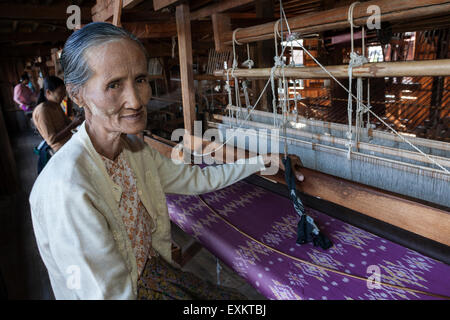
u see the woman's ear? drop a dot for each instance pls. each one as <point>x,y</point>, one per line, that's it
<point>48,93</point>
<point>74,95</point>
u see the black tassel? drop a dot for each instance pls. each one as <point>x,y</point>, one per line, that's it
<point>307,231</point>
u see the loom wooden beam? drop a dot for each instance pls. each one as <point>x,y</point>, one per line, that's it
<point>336,18</point>
<point>426,221</point>
<point>370,70</point>
<point>186,65</point>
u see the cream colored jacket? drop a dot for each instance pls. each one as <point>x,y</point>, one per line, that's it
<point>79,231</point>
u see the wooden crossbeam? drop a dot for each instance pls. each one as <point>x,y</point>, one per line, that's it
<point>370,70</point>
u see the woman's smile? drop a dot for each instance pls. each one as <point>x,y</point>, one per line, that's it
<point>134,116</point>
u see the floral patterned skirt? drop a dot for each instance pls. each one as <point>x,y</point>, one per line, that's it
<point>162,281</point>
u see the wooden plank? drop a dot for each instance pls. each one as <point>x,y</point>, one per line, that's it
<point>391,11</point>
<point>186,65</point>
<point>217,8</point>
<point>402,212</point>
<point>221,24</point>
<point>159,4</point>
<point>370,70</point>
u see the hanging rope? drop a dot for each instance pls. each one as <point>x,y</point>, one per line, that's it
<point>249,62</point>
<point>230,101</point>
<point>236,81</point>
<point>368,105</point>
<point>355,61</point>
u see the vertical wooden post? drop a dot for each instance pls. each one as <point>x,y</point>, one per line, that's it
<point>186,65</point>
<point>266,52</point>
<point>117,13</point>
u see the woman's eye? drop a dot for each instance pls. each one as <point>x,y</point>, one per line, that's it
<point>114,85</point>
<point>141,80</point>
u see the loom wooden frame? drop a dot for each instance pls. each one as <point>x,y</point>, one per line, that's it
<point>421,219</point>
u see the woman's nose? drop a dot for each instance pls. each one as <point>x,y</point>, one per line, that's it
<point>132,97</point>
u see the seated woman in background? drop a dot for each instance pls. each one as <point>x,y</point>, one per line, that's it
<point>49,118</point>
<point>53,125</point>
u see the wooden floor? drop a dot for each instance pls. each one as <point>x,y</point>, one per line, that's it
<point>21,267</point>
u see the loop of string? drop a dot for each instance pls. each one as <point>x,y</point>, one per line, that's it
<point>355,61</point>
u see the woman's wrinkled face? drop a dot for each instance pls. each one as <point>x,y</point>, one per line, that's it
<point>117,93</point>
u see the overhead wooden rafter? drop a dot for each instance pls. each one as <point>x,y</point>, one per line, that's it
<point>159,4</point>
<point>218,7</point>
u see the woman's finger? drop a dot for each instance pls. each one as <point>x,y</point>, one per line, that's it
<point>299,175</point>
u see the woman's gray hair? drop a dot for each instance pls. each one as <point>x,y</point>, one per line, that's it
<point>76,68</point>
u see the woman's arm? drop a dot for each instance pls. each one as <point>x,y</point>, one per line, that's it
<point>187,179</point>
<point>67,130</point>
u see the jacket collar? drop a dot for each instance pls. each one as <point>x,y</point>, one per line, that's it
<point>100,167</point>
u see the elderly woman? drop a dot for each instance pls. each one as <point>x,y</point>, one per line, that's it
<point>98,207</point>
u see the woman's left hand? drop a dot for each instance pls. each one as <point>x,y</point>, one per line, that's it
<point>296,163</point>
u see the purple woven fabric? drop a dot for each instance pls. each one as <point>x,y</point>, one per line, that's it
<point>271,219</point>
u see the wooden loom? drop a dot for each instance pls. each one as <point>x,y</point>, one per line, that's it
<point>421,219</point>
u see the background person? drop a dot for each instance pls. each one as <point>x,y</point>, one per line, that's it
<point>50,120</point>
